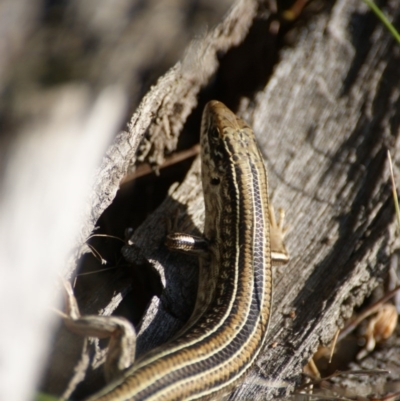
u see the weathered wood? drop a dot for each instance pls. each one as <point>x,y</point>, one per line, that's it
<point>325,128</point>
<point>154,128</point>
<point>324,122</point>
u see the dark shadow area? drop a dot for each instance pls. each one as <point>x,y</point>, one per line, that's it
<point>361,28</point>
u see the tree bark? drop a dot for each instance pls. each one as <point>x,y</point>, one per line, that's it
<point>324,122</point>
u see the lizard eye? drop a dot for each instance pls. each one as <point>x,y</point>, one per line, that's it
<point>214,133</point>
<point>215,181</point>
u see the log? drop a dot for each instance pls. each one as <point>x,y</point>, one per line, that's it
<point>324,121</point>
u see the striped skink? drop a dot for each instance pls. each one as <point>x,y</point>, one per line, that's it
<point>228,327</point>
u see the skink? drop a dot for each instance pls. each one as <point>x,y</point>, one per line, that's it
<point>228,327</point>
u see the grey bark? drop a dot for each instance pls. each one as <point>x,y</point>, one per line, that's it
<point>324,123</point>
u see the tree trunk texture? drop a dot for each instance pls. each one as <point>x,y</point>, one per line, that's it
<point>325,116</point>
